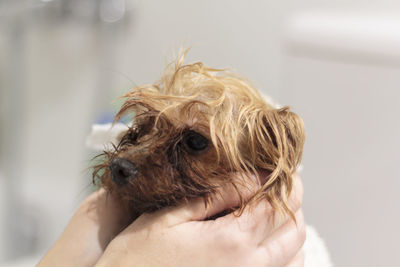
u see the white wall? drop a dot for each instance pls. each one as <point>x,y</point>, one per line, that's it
<point>342,74</point>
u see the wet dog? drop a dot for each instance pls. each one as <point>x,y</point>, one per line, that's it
<point>191,132</point>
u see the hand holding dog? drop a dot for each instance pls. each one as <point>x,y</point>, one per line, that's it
<point>178,236</point>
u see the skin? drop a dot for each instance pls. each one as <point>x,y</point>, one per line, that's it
<point>100,235</point>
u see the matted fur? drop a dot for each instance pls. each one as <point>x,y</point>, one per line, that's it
<point>247,135</point>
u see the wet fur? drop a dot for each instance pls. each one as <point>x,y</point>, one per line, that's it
<point>245,134</point>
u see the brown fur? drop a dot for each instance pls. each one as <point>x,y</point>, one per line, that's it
<point>246,135</point>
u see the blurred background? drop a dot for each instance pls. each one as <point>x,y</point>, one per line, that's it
<point>336,63</point>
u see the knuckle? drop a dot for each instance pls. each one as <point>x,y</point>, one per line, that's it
<point>296,196</point>
<point>302,235</point>
<point>301,227</point>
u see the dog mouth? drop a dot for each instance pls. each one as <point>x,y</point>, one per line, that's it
<point>139,189</point>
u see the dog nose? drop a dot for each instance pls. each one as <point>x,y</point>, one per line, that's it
<point>121,170</point>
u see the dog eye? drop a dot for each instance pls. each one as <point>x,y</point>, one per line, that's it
<point>133,135</point>
<point>196,141</point>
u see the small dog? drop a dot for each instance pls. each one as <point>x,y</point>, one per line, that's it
<point>190,133</point>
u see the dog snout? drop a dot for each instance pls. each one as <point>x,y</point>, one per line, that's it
<point>122,170</point>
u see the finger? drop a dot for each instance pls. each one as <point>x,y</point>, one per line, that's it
<point>226,197</point>
<point>97,220</point>
<point>105,212</point>
<point>286,242</point>
<point>297,261</point>
<point>262,212</point>
<point>296,195</point>
<point>260,219</point>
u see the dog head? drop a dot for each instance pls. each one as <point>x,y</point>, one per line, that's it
<point>190,133</point>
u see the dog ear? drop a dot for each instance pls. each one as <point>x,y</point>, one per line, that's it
<point>290,133</point>
<point>276,145</point>
<point>276,139</point>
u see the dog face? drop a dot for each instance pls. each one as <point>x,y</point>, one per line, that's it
<point>191,132</point>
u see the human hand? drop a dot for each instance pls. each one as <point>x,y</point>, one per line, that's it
<point>96,222</point>
<point>179,236</point>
